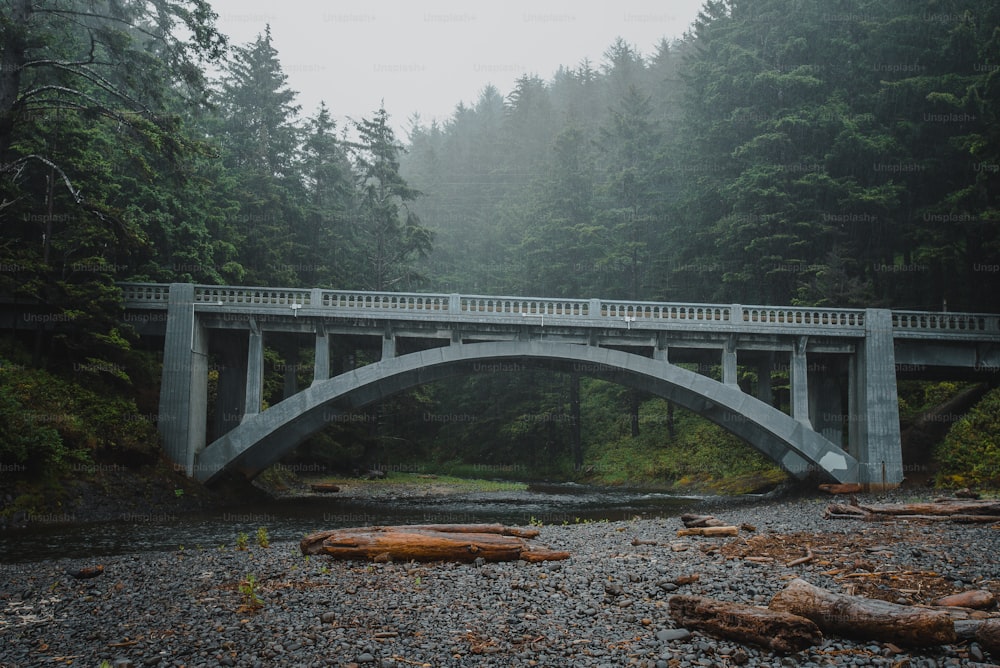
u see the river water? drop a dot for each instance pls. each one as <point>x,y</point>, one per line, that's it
<point>291,519</point>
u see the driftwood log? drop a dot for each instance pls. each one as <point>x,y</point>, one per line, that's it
<point>430,542</point>
<point>709,531</point>
<point>865,619</point>
<point>988,635</point>
<point>779,631</point>
<point>977,599</point>
<point>841,488</point>
<point>324,487</point>
<point>691,521</point>
<point>953,510</point>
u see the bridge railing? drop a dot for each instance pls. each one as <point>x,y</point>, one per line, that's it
<point>945,322</point>
<point>147,294</point>
<point>799,315</point>
<point>663,311</point>
<point>577,308</point>
<point>157,296</point>
<point>402,301</point>
<point>224,295</point>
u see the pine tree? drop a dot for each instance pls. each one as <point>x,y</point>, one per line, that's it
<point>389,235</point>
<point>260,142</point>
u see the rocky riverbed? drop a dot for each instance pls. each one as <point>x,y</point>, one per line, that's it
<point>606,606</point>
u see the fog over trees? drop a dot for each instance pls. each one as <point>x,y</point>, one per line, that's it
<point>807,152</point>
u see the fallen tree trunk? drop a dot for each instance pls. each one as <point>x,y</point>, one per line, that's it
<point>942,507</point>
<point>988,635</point>
<point>709,531</point>
<point>775,630</point>
<point>865,619</point>
<point>932,512</point>
<point>690,521</point>
<point>439,542</point>
<point>977,599</point>
<point>841,488</point>
<point>324,487</point>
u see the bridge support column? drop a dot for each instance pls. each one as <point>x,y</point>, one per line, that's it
<point>798,375</point>
<point>661,352</point>
<point>184,385</point>
<point>874,419</point>
<point>388,345</point>
<point>255,371</point>
<point>729,362</point>
<point>321,367</point>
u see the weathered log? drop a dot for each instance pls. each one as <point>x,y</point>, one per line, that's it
<point>441,542</point>
<point>779,631</point>
<point>324,487</point>
<point>709,531</point>
<point>988,635</point>
<point>691,521</point>
<point>932,512</point>
<point>941,507</point>
<point>841,488</point>
<point>977,599</point>
<point>86,572</point>
<point>865,619</point>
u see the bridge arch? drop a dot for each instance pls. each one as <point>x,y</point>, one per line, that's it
<point>262,439</point>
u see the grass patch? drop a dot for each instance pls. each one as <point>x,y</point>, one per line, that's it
<point>403,479</point>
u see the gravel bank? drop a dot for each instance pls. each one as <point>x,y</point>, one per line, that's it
<point>607,606</point>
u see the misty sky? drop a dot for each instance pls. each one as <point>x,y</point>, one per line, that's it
<point>427,56</point>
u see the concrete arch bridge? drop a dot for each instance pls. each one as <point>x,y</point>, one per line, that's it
<point>842,425</point>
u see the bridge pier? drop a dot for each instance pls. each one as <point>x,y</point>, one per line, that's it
<point>255,371</point>
<point>183,409</point>
<point>321,365</point>
<point>874,410</point>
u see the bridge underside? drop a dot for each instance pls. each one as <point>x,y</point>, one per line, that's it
<point>262,439</point>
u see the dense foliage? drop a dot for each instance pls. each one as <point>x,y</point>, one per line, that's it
<point>970,454</point>
<point>813,152</point>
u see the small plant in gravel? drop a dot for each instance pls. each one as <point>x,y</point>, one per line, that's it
<point>248,590</point>
<point>241,540</point>
<point>262,538</point>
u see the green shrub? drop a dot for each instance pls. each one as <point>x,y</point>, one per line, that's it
<point>969,456</point>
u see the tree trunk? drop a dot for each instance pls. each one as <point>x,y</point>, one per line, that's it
<point>12,59</point>
<point>441,542</point>
<point>778,631</point>
<point>634,412</point>
<point>575,436</point>
<point>865,619</point>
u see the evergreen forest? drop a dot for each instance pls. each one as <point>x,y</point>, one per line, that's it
<point>841,153</point>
